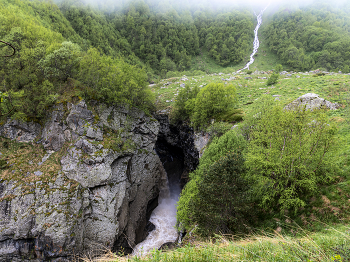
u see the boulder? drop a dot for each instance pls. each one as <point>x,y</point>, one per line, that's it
<point>20,131</point>
<point>311,101</point>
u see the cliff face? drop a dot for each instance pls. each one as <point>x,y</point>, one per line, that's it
<point>176,144</point>
<point>93,188</point>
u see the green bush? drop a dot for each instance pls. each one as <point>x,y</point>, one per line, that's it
<point>61,63</point>
<point>113,80</point>
<point>184,103</point>
<point>278,68</point>
<point>272,79</point>
<point>289,154</point>
<point>213,99</point>
<point>213,199</point>
<point>223,196</point>
<point>217,129</point>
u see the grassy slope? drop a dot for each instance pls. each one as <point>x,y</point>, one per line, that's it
<point>333,204</point>
<point>329,245</point>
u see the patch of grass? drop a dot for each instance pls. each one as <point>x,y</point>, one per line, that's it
<point>331,244</point>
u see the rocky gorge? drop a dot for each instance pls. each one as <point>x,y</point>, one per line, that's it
<point>96,183</point>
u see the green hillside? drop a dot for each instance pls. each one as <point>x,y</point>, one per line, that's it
<point>312,37</point>
<point>286,165</point>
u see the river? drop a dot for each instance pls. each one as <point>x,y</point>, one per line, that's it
<point>164,219</point>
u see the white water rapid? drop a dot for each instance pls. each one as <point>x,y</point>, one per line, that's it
<point>256,40</point>
<point>164,219</point>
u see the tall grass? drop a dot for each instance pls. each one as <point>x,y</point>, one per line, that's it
<point>332,244</point>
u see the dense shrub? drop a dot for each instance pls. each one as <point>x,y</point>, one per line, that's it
<point>215,195</point>
<point>114,81</point>
<point>213,99</point>
<point>184,103</point>
<point>217,129</point>
<point>223,195</point>
<point>272,79</point>
<point>289,154</point>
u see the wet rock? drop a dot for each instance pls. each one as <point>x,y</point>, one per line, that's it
<point>167,246</point>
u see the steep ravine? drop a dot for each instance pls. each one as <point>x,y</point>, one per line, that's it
<point>95,184</point>
<point>176,148</point>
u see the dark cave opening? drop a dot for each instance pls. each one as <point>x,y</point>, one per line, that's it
<point>172,158</point>
<point>176,149</point>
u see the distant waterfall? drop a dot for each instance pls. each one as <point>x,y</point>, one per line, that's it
<point>256,40</point>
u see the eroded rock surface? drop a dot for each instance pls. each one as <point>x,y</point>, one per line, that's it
<point>107,186</point>
<point>181,137</point>
<point>311,101</point>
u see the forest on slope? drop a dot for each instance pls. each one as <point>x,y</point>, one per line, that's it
<point>315,36</point>
<point>56,43</point>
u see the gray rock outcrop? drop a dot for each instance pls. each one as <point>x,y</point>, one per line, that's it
<point>107,185</point>
<point>311,101</point>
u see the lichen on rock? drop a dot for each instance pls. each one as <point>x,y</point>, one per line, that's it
<point>95,194</point>
<point>311,101</point>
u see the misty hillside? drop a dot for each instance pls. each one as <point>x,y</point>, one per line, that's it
<point>247,157</point>
<point>316,36</point>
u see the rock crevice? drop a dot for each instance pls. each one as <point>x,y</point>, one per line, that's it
<point>102,196</point>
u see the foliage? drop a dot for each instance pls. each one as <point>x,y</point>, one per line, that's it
<point>164,40</point>
<point>61,63</point>
<point>222,199</point>
<point>38,75</point>
<point>213,99</point>
<point>114,81</point>
<point>272,79</point>
<point>278,68</point>
<point>289,154</point>
<point>217,129</point>
<point>311,38</point>
<point>227,37</point>
<point>184,101</point>
<point>214,168</point>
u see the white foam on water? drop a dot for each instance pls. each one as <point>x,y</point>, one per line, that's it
<point>164,219</point>
<point>256,43</point>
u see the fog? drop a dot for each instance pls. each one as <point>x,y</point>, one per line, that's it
<point>202,4</point>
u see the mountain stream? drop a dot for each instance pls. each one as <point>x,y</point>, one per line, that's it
<point>164,219</point>
<point>256,40</point>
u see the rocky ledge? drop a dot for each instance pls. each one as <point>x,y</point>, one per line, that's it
<point>106,187</point>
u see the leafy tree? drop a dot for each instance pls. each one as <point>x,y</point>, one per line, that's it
<point>61,63</point>
<point>185,99</point>
<point>310,37</point>
<point>213,99</point>
<point>217,195</point>
<point>114,81</point>
<point>289,154</point>
<point>223,196</point>
<point>278,68</point>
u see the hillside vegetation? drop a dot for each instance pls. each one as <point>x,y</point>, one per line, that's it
<point>315,36</point>
<point>274,167</point>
